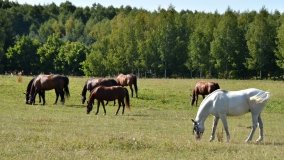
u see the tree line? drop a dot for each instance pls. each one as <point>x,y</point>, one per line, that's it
<point>102,41</point>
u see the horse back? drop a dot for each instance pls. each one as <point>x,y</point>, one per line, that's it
<point>108,93</point>
<point>122,80</point>
<point>48,82</point>
<point>201,88</point>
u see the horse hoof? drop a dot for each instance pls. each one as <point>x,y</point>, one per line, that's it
<point>259,140</point>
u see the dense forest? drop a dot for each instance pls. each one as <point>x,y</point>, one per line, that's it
<point>105,41</point>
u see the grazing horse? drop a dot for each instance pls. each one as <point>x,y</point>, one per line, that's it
<point>48,82</point>
<point>28,90</point>
<point>203,88</point>
<point>93,83</point>
<point>128,80</point>
<point>102,93</point>
<point>221,104</point>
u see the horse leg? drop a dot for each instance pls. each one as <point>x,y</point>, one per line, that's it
<point>196,100</point>
<point>62,96</point>
<point>260,125</point>
<point>43,97</point>
<point>225,124</point>
<point>57,95</point>
<point>98,106</point>
<point>215,123</point>
<point>254,125</point>
<point>103,106</point>
<point>123,106</point>
<point>118,108</point>
<point>39,96</point>
<point>131,90</point>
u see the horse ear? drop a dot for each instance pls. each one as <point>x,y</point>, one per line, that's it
<point>193,120</point>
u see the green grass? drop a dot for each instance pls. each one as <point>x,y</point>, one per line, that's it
<point>158,126</point>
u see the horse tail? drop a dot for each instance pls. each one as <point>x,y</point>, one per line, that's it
<point>260,97</point>
<point>135,84</point>
<point>193,97</point>
<point>127,98</point>
<point>66,89</point>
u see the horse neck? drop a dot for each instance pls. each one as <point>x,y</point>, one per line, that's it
<point>202,113</point>
<point>84,91</point>
<point>32,89</point>
<point>29,86</point>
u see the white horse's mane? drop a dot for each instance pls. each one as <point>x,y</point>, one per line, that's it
<point>218,90</point>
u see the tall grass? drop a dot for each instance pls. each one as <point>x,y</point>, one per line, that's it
<point>158,125</point>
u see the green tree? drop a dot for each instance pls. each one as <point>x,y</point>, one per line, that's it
<point>48,53</point>
<point>226,46</point>
<point>52,26</point>
<point>279,53</point>
<point>261,44</point>
<point>70,58</point>
<point>199,57</point>
<point>22,56</point>
<point>73,29</point>
<point>171,41</point>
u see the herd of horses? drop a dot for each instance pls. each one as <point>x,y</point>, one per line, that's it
<point>102,89</point>
<point>218,102</point>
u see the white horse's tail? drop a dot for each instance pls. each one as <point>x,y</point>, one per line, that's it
<point>260,97</point>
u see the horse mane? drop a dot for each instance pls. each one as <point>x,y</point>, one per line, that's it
<point>30,85</point>
<point>218,90</point>
<point>84,91</point>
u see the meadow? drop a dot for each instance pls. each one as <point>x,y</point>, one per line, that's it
<point>158,125</point>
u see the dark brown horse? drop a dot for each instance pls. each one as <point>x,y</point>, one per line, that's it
<point>28,90</point>
<point>48,82</point>
<point>93,83</point>
<point>203,88</point>
<point>103,93</point>
<point>128,80</point>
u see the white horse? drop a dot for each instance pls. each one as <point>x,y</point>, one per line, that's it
<point>221,104</point>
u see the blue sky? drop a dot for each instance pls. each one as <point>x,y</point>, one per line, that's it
<point>198,5</point>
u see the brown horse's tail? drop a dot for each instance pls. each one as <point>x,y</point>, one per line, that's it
<point>135,85</point>
<point>127,98</point>
<point>66,89</point>
<point>193,97</point>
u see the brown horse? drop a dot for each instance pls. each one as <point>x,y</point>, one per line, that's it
<point>48,82</point>
<point>128,80</point>
<point>93,83</point>
<point>203,88</point>
<point>102,93</point>
<point>28,90</point>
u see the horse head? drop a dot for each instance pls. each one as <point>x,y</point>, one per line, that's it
<point>89,107</point>
<point>197,130</point>
<point>83,99</point>
<point>30,98</point>
<point>27,97</point>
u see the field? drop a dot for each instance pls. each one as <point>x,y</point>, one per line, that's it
<point>158,126</point>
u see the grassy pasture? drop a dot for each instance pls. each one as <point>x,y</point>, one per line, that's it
<point>158,125</point>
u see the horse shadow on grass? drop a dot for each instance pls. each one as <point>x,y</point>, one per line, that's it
<point>75,105</point>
